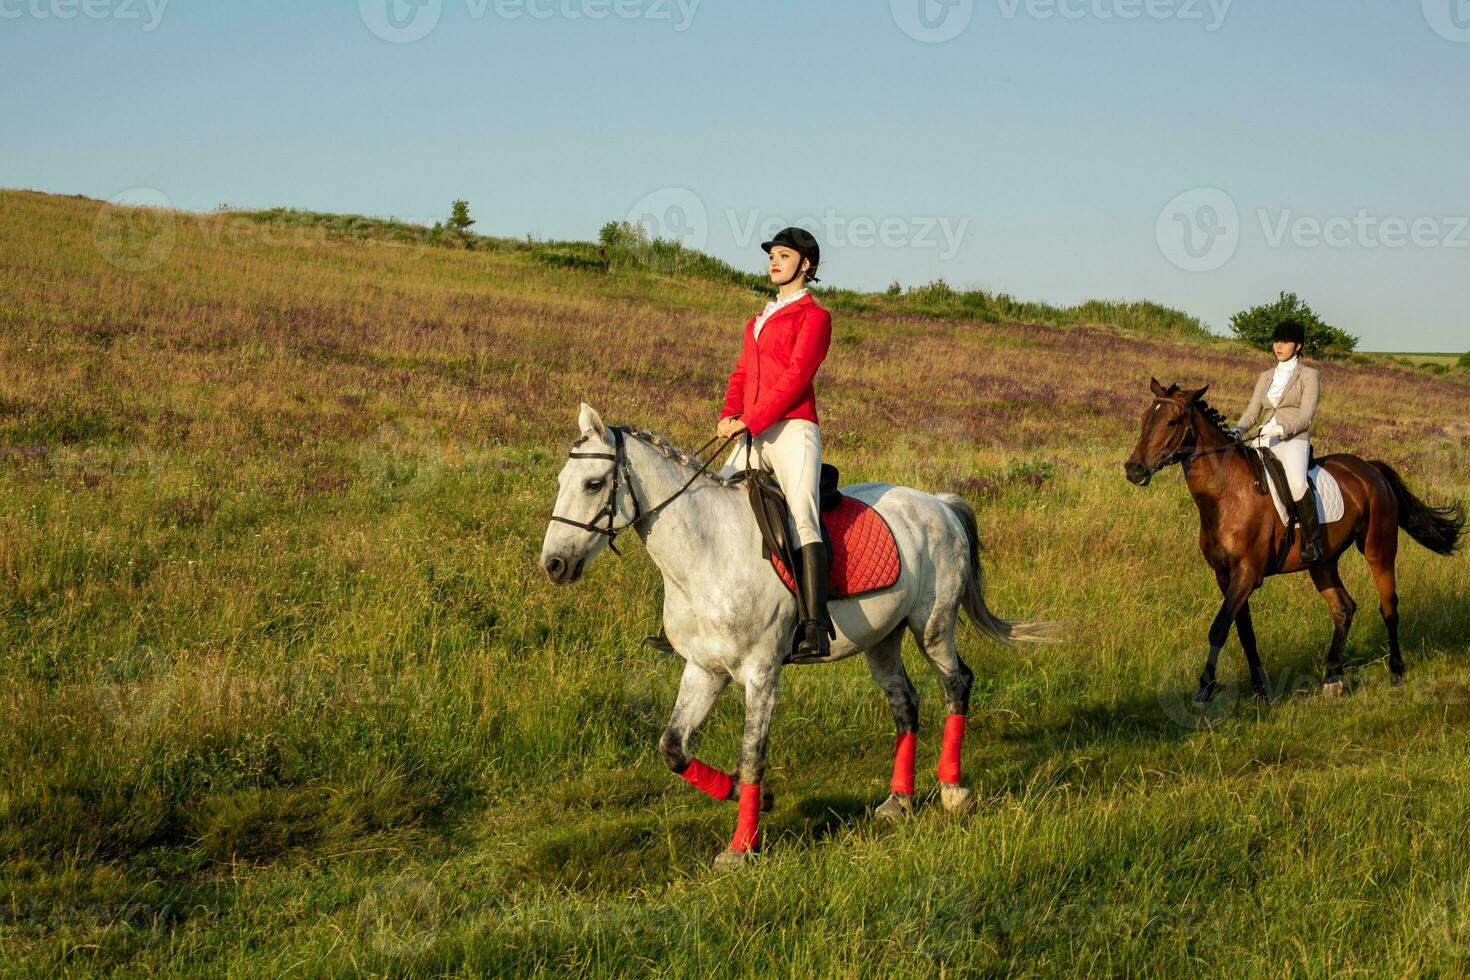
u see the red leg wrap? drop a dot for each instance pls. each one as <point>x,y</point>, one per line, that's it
<point>747,827</point>
<point>903,765</point>
<point>949,753</point>
<point>708,779</point>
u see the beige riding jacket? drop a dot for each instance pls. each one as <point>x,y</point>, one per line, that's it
<point>1295,409</point>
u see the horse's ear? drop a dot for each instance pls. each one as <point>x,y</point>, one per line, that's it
<point>1195,396</point>
<point>1158,388</point>
<point>590,422</point>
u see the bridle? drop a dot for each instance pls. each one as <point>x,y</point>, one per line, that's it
<point>619,475</point>
<point>1187,452</point>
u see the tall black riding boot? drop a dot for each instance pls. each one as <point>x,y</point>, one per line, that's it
<point>816,629</point>
<point>1313,548</point>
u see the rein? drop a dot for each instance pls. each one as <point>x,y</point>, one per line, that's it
<point>620,473</point>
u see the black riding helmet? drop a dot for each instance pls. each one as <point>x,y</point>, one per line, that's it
<point>803,243</point>
<point>1290,330</point>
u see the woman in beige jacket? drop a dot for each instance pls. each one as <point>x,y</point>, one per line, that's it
<point>1289,392</point>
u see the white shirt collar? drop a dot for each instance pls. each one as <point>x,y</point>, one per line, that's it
<point>781,301</point>
<point>1283,368</point>
<point>775,305</point>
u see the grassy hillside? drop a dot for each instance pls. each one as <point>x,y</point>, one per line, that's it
<point>285,692</point>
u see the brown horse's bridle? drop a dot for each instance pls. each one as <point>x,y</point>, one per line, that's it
<point>1190,439</point>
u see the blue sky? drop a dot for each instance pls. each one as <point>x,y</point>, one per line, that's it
<point>1206,154</point>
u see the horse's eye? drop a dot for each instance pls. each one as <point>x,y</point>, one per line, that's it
<point>1174,422</point>
<point>594,485</point>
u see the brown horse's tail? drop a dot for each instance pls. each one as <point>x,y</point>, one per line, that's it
<point>1002,630</point>
<point>1436,528</point>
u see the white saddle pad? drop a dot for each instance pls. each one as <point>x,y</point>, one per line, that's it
<point>1329,497</point>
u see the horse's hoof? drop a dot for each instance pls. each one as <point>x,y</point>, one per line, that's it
<point>1397,680</point>
<point>1204,695</point>
<point>896,807</point>
<point>1332,688</point>
<point>956,799</point>
<point>729,859</point>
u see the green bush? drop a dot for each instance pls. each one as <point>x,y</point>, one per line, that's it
<point>627,245</point>
<point>1255,327</point>
<point>1464,363</point>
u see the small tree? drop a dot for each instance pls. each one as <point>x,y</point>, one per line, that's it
<point>459,216</point>
<point>1255,326</point>
<point>620,234</point>
<point>1464,364</point>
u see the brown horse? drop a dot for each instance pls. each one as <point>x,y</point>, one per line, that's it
<point>1241,533</point>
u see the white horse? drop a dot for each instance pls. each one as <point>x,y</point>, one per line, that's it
<point>731,618</point>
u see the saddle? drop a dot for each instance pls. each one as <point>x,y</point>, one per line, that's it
<point>1270,468</point>
<point>862,555</point>
<point>773,513</point>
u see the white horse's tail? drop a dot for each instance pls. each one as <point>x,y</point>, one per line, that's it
<point>1002,630</point>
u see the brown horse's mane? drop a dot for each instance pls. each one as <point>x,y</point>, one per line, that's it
<point>1210,414</point>
<point>1220,422</point>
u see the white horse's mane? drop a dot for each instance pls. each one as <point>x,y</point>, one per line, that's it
<point>668,450</point>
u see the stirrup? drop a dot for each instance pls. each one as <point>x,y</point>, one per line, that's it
<point>796,654</point>
<point>657,641</point>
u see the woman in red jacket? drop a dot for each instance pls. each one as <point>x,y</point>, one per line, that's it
<point>770,395</point>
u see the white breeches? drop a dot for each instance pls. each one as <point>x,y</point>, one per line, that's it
<point>1293,454</point>
<point>792,449</point>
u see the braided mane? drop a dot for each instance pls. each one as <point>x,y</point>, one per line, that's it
<point>669,451</point>
<point>1211,415</point>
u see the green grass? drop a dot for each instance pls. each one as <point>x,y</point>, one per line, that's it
<point>286,693</point>
<point>1438,364</point>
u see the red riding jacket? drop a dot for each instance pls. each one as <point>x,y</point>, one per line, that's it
<point>772,379</point>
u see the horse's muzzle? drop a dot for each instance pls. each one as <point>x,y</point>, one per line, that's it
<point>1137,473</point>
<point>561,571</point>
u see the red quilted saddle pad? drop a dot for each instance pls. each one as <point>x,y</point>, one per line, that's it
<point>864,554</point>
